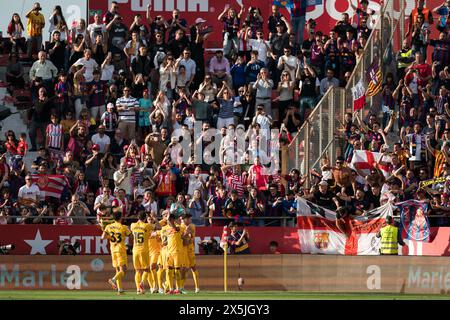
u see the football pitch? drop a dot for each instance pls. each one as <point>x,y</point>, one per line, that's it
<point>209,295</point>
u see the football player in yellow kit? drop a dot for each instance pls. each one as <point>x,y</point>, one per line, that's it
<point>154,244</point>
<point>175,254</point>
<point>141,257</point>
<point>190,252</point>
<point>116,234</point>
<point>159,256</point>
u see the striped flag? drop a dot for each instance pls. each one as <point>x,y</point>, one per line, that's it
<point>50,185</point>
<point>414,220</point>
<point>374,79</point>
<point>318,232</point>
<point>364,161</point>
<point>359,96</point>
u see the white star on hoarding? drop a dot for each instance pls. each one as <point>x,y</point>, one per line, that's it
<point>38,245</point>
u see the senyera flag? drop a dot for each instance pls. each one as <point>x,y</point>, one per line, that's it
<point>364,161</point>
<point>414,220</point>
<point>50,185</point>
<point>318,232</point>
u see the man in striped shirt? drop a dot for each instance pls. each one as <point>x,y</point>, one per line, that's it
<point>441,52</point>
<point>54,136</point>
<point>127,106</point>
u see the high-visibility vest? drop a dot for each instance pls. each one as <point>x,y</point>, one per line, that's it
<point>389,244</point>
<point>425,12</point>
<point>407,54</point>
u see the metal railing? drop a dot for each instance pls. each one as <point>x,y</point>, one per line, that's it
<point>318,137</point>
<point>322,133</point>
<point>384,41</point>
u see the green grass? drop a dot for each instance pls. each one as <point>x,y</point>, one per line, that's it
<point>208,295</point>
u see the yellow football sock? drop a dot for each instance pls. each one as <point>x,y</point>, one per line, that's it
<point>153,278</point>
<point>137,279</point>
<point>195,277</point>
<point>159,277</point>
<point>119,277</point>
<point>169,278</point>
<point>178,279</point>
<point>145,278</point>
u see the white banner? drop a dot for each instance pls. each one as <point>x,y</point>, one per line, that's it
<point>318,231</point>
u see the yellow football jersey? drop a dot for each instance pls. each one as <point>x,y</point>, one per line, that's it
<point>141,234</point>
<point>174,238</point>
<point>117,233</point>
<point>191,245</point>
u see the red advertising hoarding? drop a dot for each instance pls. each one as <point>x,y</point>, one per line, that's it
<point>42,239</point>
<point>325,14</point>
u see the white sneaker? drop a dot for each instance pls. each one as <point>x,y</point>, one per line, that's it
<point>197,290</point>
<point>161,291</point>
<point>183,291</point>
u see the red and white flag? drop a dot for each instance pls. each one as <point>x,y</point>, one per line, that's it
<point>224,238</point>
<point>359,96</point>
<point>364,161</point>
<point>50,185</point>
<point>318,232</point>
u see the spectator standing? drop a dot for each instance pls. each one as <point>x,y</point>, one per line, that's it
<point>36,23</point>
<point>231,25</point>
<point>263,87</point>
<point>15,32</point>
<point>127,107</point>
<point>219,68</point>
<point>328,82</point>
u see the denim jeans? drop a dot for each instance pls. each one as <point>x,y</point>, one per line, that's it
<point>298,25</point>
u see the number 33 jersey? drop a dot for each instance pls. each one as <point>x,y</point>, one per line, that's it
<point>141,234</point>
<point>117,235</point>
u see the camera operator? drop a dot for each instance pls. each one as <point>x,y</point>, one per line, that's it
<point>211,247</point>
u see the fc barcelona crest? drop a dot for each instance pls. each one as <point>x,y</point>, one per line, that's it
<point>321,240</point>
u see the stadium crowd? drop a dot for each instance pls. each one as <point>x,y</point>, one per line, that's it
<point>133,116</point>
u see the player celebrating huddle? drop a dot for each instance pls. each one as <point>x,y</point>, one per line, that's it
<point>175,258</point>
<point>141,256</point>
<point>116,234</point>
<point>161,255</point>
<point>154,244</point>
<point>190,251</point>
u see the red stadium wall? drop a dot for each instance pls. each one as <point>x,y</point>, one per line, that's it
<point>325,15</point>
<point>42,239</point>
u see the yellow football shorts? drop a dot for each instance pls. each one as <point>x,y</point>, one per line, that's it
<point>190,259</point>
<point>141,260</point>
<point>176,260</point>
<point>119,259</point>
<point>154,257</point>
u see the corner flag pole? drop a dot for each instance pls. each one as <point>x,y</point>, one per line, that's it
<point>224,245</point>
<point>225,269</point>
